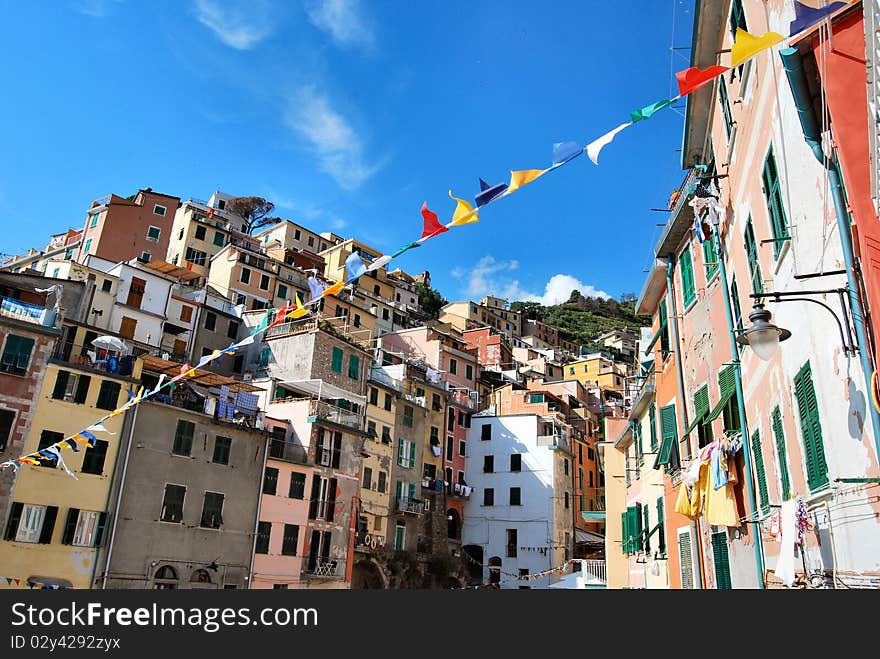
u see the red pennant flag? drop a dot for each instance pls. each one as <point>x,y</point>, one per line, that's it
<point>694,78</point>
<point>432,225</point>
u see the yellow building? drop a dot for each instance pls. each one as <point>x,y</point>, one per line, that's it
<point>382,399</point>
<point>57,524</point>
<point>596,370</point>
<point>488,312</point>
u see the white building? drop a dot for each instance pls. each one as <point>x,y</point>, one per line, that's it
<point>518,520</point>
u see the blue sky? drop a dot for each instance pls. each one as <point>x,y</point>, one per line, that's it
<point>348,115</point>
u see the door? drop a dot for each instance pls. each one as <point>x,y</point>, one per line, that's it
<point>136,292</point>
<point>127,327</point>
<point>179,347</point>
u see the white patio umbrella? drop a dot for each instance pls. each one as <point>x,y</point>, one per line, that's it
<point>110,343</point>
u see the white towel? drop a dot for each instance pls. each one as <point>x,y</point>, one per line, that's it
<point>785,565</point>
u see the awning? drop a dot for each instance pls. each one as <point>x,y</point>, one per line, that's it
<point>171,328</point>
<point>588,537</point>
<point>155,364</point>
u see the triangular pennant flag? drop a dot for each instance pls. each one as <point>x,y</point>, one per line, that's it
<point>335,289</point>
<point>60,461</point>
<point>246,341</point>
<point>230,348</point>
<point>647,111</point>
<point>489,193</point>
<point>747,45</point>
<point>594,147</point>
<point>464,212</point>
<point>354,266</point>
<point>17,581</point>
<point>8,581</point>
<point>299,311</point>
<point>71,442</point>
<point>565,151</point>
<point>805,16</point>
<point>161,381</point>
<point>29,460</point>
<point>381,262</point>
<point>405,248</point>
<point>315,288</point>
<point>431,225</point>
<point>694,78</point>
<point>265,322</point>
<point>523,177</point>
<point>92,440</point>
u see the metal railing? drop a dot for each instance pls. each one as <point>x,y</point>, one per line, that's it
<point>407,505</point>
<point>330,412</point>
<point>280,449</point>
<point>87,356</point>
<point>594,571</point>
<point>26,313</point>
<point>322,567</point>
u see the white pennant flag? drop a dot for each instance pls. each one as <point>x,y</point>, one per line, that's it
<point>246,341</point>
<point>99,427</point>
<point>378,263</point>
<point>54,450</point>
<point>594,147</point>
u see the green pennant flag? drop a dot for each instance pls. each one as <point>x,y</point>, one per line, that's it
<point>8,581</point>
<point>648,110</point>
<point>405,248</point>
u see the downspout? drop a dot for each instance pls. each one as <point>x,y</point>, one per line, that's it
<point>793,65</point>
<point>672,317</point>
<point>250,583</point>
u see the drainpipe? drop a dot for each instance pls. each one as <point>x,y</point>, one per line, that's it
<point>672,317</point>
<point>250,583</point>
<point>741,408</point>
<point>793,65</point>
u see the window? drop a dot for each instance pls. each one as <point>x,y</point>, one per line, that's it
<point>567,502</point>
<point>388,402</point>
<point>71,387</point>
<point>296,234</point>
<point>311,241</point>
<point>93,460</point>
<point>146,257</point>
<point>662,316</point>
<point>752,254</point>
<point>565,466</point>
<point>725,106</point>
<point>48,438</point>
<point>453,366</point>
<point>450,448</point>
<point>727,390</point>
<point>84,528</point>
<point>701,417</point>
<point>469,372</point>
<point>245,276</point>
<point>219,239</point>
<point>240,298</point>
<point>781,454</point>
<point>515,496</point>
<point>222,446</point>
<point>329,448</point>
<point>687,276</point>
<point>399,536</point>
<point>685,559</point>
<point>775,207</point>
<point>200,232</point>
<point>94,220</point>
<point>183,438</point>
<point>760,474</point>
<point>488,464</point>
<point>282,291</point>
<point>29,523</point>
<point>668,454</point>
<point>264,282</point>
<point>811,429</point>
<point>186,313</point>
<point>368,478</point>
<point>406,453</point>
<point>354,367</point>
<point>462,447</point>
<point>210,321</point>
<point>336,360</point>
<point>486,432</point>
<point>172,503</point>
<point>289,540</point>
<point>710,258</point>
<point>297,488</point>
<point>488,497</point>
<point>88,244</point>
<point>515,462</point>
<point>7,422</point>
<point>430,470</point>
<point>136,290</point>
<point>407,416</point>
<point>16,355</point>
<point>357,320</point>
<point>385,314</point>
<point>511,543</point>
<point>212,511</point>
<point>535,399</point>
<point>380,482</point>
<point>652,420</point>
<point>374,396</point>
<point>159,210</point>
<point>264,534</point>
<point>386,435</point>
<point>435,402</point>
<point>232,330</point>
<point>195,256</point>
<point>106,285</point>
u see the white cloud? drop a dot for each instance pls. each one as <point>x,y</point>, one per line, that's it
<point>240,25</point>
<point>96,8</point>
<point>343,20</point>
<point>488,277</point>
<point>338,147</point>
<point>338,224</point>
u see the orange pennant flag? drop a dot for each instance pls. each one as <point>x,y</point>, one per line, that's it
<point>747,45</point>
<point>335,289</point>
<point>523,177</point>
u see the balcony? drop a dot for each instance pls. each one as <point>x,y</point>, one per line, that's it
<point>548,440</point>
<point>280,449</point>
<point>26,313</point>
<point>91,358</point>
<point>594,573</point>
<point>411,506</point>
<point>463,398</point>
<point>322,567</point>
<point>321,409</point>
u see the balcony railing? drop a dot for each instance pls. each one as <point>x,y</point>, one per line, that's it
<point>594,572</point>
<point>26,313</point>
<point>463,398</point>
<point>288,451</point>
<point>407,505</point>
<point>322,567</point>
<point>324,410</point>
<point>86,356</point>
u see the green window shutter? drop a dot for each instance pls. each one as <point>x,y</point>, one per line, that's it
<point>336,361</point>
<point>760,474</point>
<point>646,524</point>
<point>710,258</point>
<point>725,106</point>
<point>664,327</point>
<point>737,310</point>
<point>661,526</point>
<point>687,275</point>
<point>775,207</point>
<point>722,562</point>
<point>726,383</point>
<point>412,491</point>
<point>779,435</point>
<point>400,448</point>
<point>624,532</point>
<point>811,429</point>
<point>668,434</point>
<point>354,367</point>
<point>412,454</point>
<point>752,254</point>
<point>652,417</point>
<point>701,402</point>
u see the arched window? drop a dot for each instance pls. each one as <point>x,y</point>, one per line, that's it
<point>165,578</point>
<point>200,576</point>
<point>495,570</point>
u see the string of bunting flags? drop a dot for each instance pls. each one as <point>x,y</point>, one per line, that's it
<point>31,583</point>
<point>745,47</point>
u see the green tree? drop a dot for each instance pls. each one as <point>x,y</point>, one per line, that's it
<point>430,300</point>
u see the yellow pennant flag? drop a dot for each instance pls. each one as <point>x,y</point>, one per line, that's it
<point>523,177</point>
<point>335,289</point>
<point>747,45</point>
<point>29,461</point>
<point>300,310</point>
<point>464,212</point>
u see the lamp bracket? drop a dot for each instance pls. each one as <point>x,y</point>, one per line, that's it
<point>843,326</point>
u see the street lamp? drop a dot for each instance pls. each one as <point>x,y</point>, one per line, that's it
<point>763,336</point>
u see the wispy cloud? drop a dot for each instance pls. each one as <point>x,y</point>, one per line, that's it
<point>340,150</point>
<point>240,25</point>
<point>96,8</point>
<point>343,20</point>
<point>338,224</point>
<point>492,277</point>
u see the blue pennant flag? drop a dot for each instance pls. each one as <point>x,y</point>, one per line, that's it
<point>489,193</point>
<point>354,266</point>
<point>565,151</point>
<point>805,16</point>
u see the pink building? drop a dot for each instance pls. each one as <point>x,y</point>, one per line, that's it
<point>441,349</point>
<point>492,349</point>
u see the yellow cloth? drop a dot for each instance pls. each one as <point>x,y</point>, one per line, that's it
<point>683,503</point>
<point>523,177</point>
<point>720,504</point>
<point>300,310</point>
<point>746,45</point>
<point>464,212</point>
